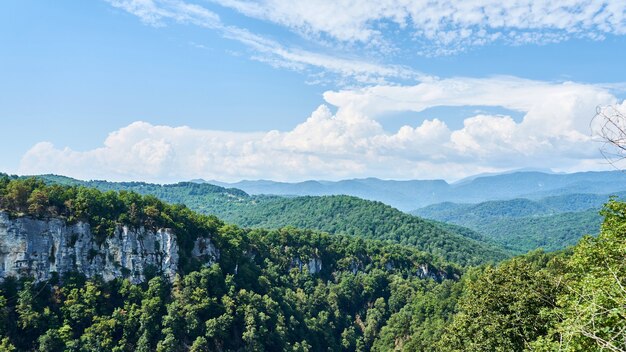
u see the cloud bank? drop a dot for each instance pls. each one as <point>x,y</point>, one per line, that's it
<point>351,142</point>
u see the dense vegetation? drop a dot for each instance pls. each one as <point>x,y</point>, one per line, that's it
<point>521,225</point>
<point>358,217</point>
<point>332,214</point>
<point>259,296</point>
<point>367,296</point>
<point>203,198</point>
<point>551,232</point>
<point>572,301</point>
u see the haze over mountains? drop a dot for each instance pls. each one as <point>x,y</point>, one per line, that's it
<point>519,211</point>
<point>413,194</point>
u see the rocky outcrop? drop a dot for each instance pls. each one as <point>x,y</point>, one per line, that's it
<point>424,271</point>
<point>205,251</point>
<point>313,266</point>
<point>38,248</point>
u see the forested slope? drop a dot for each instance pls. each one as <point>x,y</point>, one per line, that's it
<point>521,225</point>
<point>332,214</point>
<point>283,289</point>
<point>569,301</point>
<point>263,294</point>
<point>358,217</point>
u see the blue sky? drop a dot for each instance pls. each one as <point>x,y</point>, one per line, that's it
<point>328,89</point>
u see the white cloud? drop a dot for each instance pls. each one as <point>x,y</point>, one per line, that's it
<point>446,25</point>
<point>160,12</point>
<point>157,12</point>
<point>343,32</point>
<point>272,52</point>
<point>553,133</point>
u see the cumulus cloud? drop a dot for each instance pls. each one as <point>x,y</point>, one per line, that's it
<point>566,106</point>
<point>351,142</point>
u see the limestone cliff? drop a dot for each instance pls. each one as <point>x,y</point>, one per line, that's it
<point>38,248</point>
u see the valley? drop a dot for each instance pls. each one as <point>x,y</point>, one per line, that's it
<point>312,176</point>
<point>372,277</point>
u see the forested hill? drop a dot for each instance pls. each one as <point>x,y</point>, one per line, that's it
<point>334,214</point>
<point>570,301</point>
<point>551,223</point>
<point>518,207</point>
<point>273,290</point>
<point>200,197</point>
<point>298,290</point>
<point>358,217</point>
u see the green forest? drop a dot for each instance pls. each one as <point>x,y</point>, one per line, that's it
<point>332,214</point>
<point>520,225</point>
<point>487,231</point>
<point>313,176</point>
<point>369,295</point>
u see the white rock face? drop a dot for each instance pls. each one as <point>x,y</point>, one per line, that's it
<point>37,248</point>
<point>204,250</point>
<point>314,265</point>
<point>424,272</point>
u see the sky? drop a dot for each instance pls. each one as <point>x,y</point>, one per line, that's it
<point>173,90</point>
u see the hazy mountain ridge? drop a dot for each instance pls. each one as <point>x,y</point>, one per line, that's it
<point>400,194</point>
<point>413,194</point>
<point>517,207</point>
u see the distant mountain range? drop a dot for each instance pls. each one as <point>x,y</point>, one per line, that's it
<point>413,194</point>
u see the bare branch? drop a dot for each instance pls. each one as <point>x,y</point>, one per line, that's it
<point>609,125</point>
